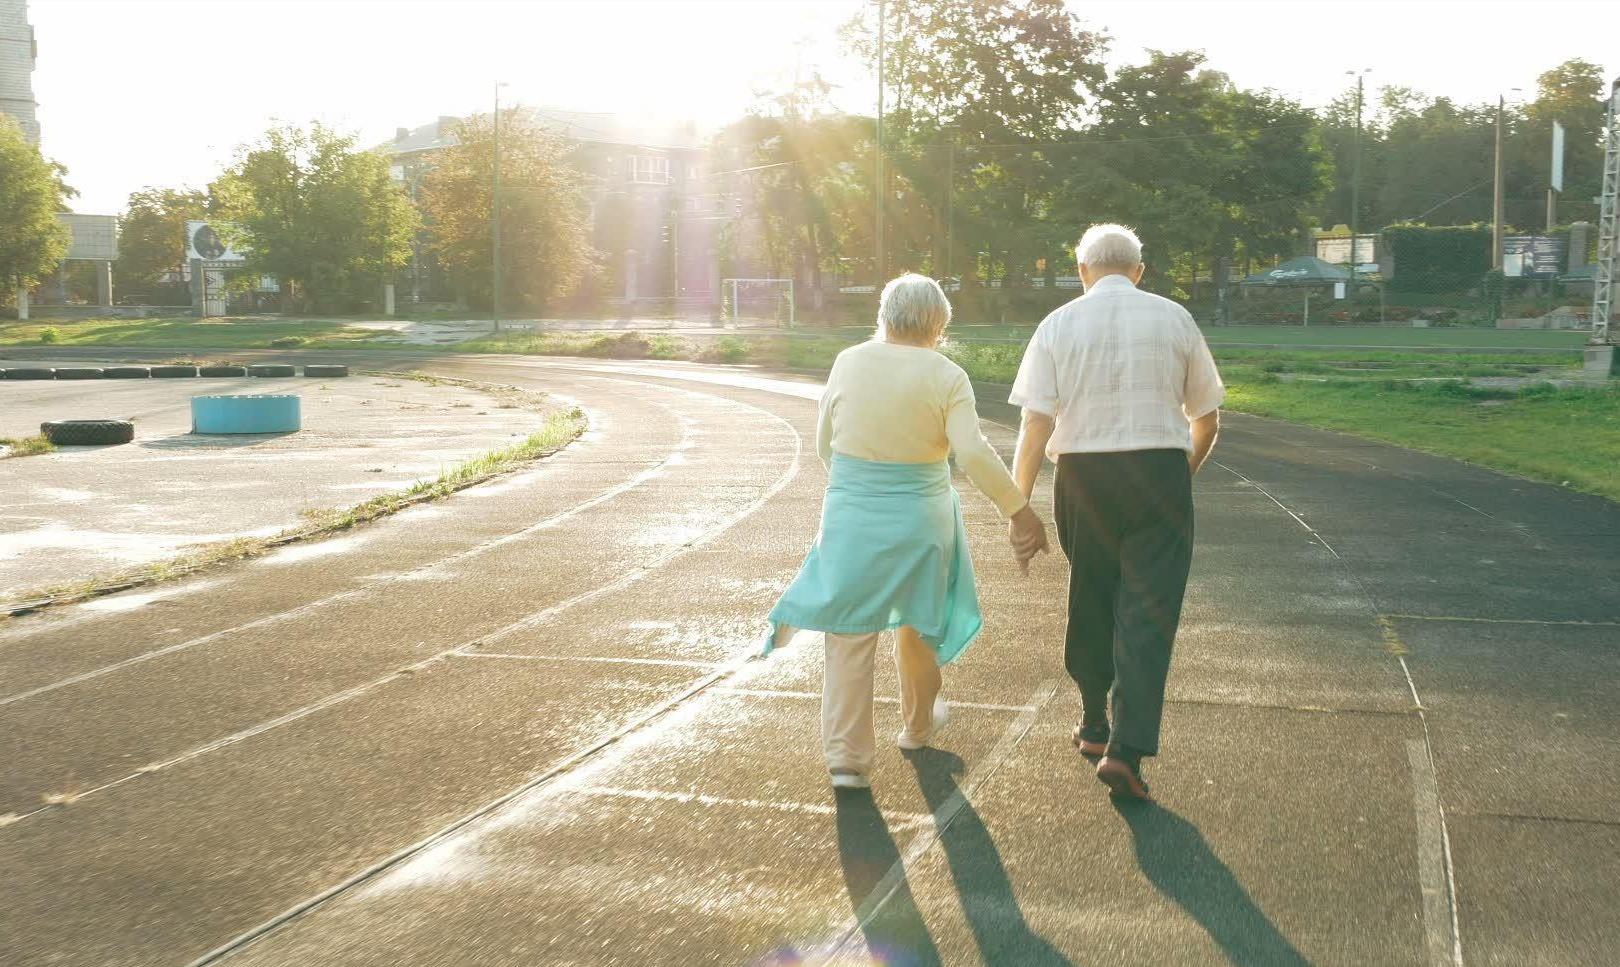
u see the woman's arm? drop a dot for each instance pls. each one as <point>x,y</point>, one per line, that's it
<point>974,454</point>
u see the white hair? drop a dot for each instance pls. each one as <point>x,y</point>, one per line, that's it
<point>913,309</point>
<point>1109,246</point>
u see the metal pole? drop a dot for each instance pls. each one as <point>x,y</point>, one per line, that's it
<point>1355,202</point>
<point>950,215</point>
<point>495,215</point>
<point>1496,201</point>
<point>882,193</point>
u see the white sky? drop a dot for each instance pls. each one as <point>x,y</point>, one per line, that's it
<point>159,92</point>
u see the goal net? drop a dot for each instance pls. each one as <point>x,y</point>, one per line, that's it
<point>758,302</point>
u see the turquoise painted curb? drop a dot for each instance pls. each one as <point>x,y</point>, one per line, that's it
<point>245,414</point>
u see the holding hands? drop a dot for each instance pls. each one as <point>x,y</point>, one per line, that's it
<point>1026,532</point>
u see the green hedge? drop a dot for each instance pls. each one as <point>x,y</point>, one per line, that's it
<point>1447,258</point>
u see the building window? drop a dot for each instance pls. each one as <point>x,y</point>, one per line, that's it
<point>649,170</point>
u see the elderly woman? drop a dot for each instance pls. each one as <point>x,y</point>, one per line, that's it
<point>892,552</point>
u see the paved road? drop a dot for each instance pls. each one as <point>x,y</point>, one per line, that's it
<point>517,727</point>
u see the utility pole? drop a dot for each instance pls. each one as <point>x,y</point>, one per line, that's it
<point>882,195</point>
<point>495,214</point>
<point>950,197</point>
<point>1603,356</point>
<point>1355,191</point>
<point>1496,198</point>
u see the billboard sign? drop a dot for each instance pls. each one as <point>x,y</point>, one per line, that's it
<point>94,236</point>
<point>1335,249</point>
<point>207,242</point>
<point>1532,256</point>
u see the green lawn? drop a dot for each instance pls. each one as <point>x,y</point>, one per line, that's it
<point>1567,437</point>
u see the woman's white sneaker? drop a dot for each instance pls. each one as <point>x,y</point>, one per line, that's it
<point>849,779</point>
<point>942,717</point>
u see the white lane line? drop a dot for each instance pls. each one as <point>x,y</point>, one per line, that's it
<point>414,574</point>
<point>672,662</point>
<point>1506,621</point>
<point>1434,877</point>
<point>529,621</point>
<point>883,699</point>
<point>850,934</point>
<point>417,848</point>
<point>703,799</point>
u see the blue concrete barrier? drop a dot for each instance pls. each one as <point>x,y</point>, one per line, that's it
<point>245,414</point>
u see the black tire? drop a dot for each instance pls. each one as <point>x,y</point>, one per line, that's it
<point>79,372</point>
<point>88,433</point>
<point>30,374</point>
<point>173,372</point>
<point>127,372</point>
<point>326,370</point>
<point>217,371</point>
<point>273,369</point>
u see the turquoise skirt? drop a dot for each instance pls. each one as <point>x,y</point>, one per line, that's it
<point>892,551</point>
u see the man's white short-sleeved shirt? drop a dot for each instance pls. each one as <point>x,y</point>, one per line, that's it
<point>1119,369</point>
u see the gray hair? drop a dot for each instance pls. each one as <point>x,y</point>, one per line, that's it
<point>1109,247</point>
<point>913,309</point>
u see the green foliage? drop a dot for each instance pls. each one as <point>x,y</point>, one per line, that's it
<point>727,349</point>
<point>32,241</point>
<point>545,229</point>
<point>50,335</point>
<point>325,219</point>
<point>1438,259</point>
<point>152,234</point>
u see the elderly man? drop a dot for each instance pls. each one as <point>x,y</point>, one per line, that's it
<point>1118,388</point>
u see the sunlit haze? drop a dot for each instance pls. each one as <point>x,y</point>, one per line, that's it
<point>159,93</point>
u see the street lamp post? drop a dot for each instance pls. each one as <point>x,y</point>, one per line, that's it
<point>495,214</point>
<point>881,195</point>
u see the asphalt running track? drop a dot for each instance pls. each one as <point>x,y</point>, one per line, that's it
<point>519,727</point>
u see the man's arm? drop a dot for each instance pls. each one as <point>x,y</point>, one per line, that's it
<point>1205,430</point>
<point>1033,435</point>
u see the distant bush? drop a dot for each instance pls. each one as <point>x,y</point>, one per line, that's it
<point>50,334</point>
<point>287,342</point>
<point>628,345</point>
<point>726,349</point>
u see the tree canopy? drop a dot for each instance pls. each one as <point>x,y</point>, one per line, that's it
<point>545,228</point>
<point>324,218</point>
<point>152,233</point>
<point>33,241</point>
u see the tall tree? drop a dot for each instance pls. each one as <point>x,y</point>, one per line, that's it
<point>1571,94</point>
<point>325,219</point>
<point>152,233</point>
<point>545,225</point>
<point>972,86</point>
<point>33,241</point>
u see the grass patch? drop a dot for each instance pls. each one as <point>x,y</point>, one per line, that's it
<point>27,446</point>
<point>191,333</point>
<point>558,431</point>
<point>1569,437</point>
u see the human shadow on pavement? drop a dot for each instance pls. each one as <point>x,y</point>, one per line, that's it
<point>895,933</point>
<point>991,906</point>
<point>1179,862</point>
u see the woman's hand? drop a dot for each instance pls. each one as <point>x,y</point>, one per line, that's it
<point>1026,532</point>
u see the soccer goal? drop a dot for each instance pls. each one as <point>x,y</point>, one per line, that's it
<point>758,302</point>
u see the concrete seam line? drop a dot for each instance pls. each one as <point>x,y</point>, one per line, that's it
<point>461,650</point>
<point>880,699</point>
<point>1506,621</point>
<point>1397,648</point>
<point>704,799</point>
<point>1437,925</point>
<point>286,917</point>
<point>293,536</point>
<point>943,817</point>
<point>308,607</point>
<point>671,662</point>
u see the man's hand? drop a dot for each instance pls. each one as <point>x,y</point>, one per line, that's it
<point>1026,532</point>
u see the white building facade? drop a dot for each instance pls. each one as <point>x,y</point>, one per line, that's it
<point>17,54</point>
